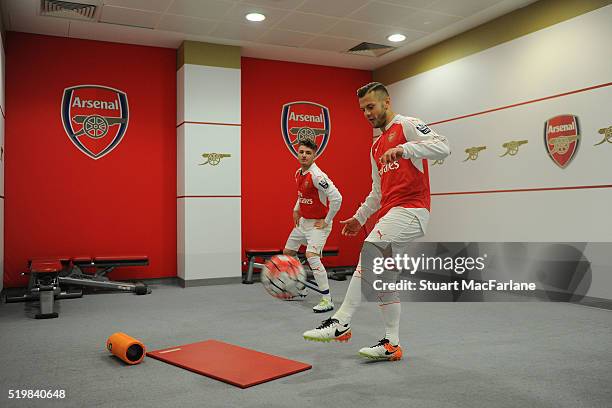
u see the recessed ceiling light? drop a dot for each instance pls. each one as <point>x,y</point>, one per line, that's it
<point>396,37</point>
<point>255,17</point>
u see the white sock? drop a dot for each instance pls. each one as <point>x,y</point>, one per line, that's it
<point>320,275</point>
<point>352,299</point>
<point>391,315</point>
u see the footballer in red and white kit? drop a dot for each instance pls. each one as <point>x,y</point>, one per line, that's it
<point>401,199</point>
<point>318,202</point>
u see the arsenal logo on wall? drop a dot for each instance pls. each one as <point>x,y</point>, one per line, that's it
<point>95,118</point>
<point>562,137</point>
<point>305,120</point>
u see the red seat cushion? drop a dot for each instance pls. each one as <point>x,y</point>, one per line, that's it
<point>46,266</point>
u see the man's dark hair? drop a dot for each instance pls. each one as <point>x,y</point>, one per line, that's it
<point>373,87</point>
<point>308,143</point>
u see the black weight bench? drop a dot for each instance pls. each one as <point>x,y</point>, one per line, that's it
<point>253,254</point>
<point>43,285</point>
<point>101,266</point>
<point>48,276</point>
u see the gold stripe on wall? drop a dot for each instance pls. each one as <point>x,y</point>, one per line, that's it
<point>213,55</point>
<point>534,17</point>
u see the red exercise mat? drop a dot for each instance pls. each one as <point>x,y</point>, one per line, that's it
<point>235,365</point>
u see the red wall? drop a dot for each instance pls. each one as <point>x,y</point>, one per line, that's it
<point>268,186</point>
<point>59,202</point>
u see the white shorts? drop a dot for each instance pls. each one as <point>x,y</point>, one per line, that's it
<point>399,227</point>
<point>306,234</point>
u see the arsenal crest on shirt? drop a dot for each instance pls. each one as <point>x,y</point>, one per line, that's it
<point>562,137</point>
<point>95,118</point>
<point>305,120</point>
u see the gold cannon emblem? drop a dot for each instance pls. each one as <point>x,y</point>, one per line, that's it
<point>214,158</point>
<point>305,133</point>
<point>512,147</point>
<point>96,126</point>
<point>607,132</point>
<point>472,152</point>
<point>561,144</point>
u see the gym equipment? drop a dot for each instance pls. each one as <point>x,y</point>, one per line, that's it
<point>47,277</point>
<point>101,266</point>
<point>126,348</point>
<point>253,254</point>
<point>232,364</point>
<point>43,285</point>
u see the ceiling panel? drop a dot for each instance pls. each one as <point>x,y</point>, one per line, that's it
<point>461,8</point>
<point>307,23</point>
<point>183,24</point>
<point>287,38</point>
<point>150,5</point>
<point>123,34</point>
<point>238,13</point>
<point>281,4</point>
<point>39,25</point>
<point>209,9</point>
<point>131,17</point>
<point>237,31</point>
<point>335,8</point>
<point>331,44</point>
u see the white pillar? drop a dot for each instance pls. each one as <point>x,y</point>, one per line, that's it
<point>208,149</point>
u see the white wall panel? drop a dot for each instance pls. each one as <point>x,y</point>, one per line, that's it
<point>566,57</point>
<point>211,94</point>
<point>572,55</point>
<point>206,179</point>
<point>539,216</point>
<point>210,238</point>
<point>531,167</point>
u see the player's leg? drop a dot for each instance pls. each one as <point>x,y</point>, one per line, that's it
<point>338,327</point>
<point>294,242</point>
<point>399,226</point>
<point>316,239</point>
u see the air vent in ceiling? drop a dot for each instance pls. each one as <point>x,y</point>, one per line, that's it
<point>68,9</point>
<point>370,49</point>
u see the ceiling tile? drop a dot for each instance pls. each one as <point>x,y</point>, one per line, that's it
<point>331,44</point>
<point>150,5</point>
<point>308,23</point>
<point>360,31</point>
<point>124,34</point>
<point>183,24</point>
<point>382,13</point>
<point>238,13</point>
<point>286,38</point>
<point>39,25</point>
<point>237,31</point>
<point>336,8</point>
<point>463,8</point>
<point>209,9</point>
<point>131,17</point>
<point>430,21</point>
<point>281,4</point>
<point>420,4</point>
<point>404,17</point>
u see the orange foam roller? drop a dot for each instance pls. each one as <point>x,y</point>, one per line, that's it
<point>127,348</point>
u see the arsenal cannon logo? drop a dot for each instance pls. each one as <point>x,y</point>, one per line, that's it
<point>305,120</point>
<point>95,118</point>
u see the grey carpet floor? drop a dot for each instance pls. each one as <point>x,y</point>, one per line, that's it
<point>498,354</point>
